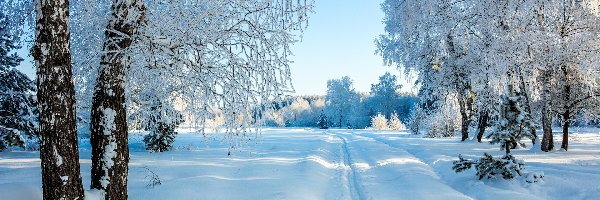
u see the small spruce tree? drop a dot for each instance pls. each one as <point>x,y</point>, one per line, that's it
<point>322,122</point>
<point>159,118</point>
<point>18,108</point>
<point>513,123</point>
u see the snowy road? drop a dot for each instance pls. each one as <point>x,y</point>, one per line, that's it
<point>327,164</point>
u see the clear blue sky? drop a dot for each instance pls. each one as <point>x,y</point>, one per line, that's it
<point>339,42</point>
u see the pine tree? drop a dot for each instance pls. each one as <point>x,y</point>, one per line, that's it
<point>513,123</point>
<point>18,111</point>
<point>323,123</point>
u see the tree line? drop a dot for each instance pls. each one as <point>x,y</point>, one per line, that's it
<point>467,53</point>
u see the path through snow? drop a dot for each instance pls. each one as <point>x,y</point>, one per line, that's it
<point>327,164</point>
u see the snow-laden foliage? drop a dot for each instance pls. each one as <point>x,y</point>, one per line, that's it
<point>513,122</point>
<point>442,122</point>
<point>18,107</point>
<point>339,101</point>
<point>379,122</point>
<point>470,49</point>
<point>159,117</point>
<point>323,122</point>
<point>507,167</point>
<point>395,123</point>
<point>226,56</point>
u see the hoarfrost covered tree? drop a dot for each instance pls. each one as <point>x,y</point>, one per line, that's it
<point>340,99</point>
<point>56,96</point>
<point>158,116</point>
<point>18,108</point>
<point>215,55</point>
<point>379,122</point>
<point>468,48</point>
<point>384,97</point>
<point>435,39</point>
<point>110,149</point>
<point>395,123</point>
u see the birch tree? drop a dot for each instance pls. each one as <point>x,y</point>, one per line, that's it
<point>58,147</point>
<point>110,149</point>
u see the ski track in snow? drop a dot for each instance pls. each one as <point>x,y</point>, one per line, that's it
<point>353,182</point>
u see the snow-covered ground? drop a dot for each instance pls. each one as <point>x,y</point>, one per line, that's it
<point>329,164</point>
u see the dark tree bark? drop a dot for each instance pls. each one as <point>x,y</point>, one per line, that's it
<point>547,138</point>
<point>110,150</point>
<point>566,117</point>
<point>483,123</point>
<point>61,178</point>
<point>466,111</point>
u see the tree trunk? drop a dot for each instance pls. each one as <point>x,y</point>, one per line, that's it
<point>547,139</point>
<point>110,150</point>
<point>566,116</point>
<point>465,105</point>
<point>61,178</point>
<point>483,123</point>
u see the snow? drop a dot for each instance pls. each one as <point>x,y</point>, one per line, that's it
<point>329,164</point>
<point>108,158</point>
<point>108,121</point>
<point>59,160</point>
<point>93,194</point>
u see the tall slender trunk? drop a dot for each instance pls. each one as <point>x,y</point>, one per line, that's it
<point>566,116</point>
<point>483,123</point>
<point>61,178</point>
<point>547,138</point>
<point>110,150</point>
<point>465,106</point>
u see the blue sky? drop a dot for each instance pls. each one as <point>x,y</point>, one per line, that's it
<point>339,42</point>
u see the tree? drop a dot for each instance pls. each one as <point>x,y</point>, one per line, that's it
<point>379,122</point>
<point>158,116</point>
<point>110,149</point>
<point>339,100</point>
<point>18,108</point>
<point>215,55</point>
<point>395,123</point>
<point>323,123</point>
<point>514,122</point>
<point>384,97</point>
<point>59,155</point>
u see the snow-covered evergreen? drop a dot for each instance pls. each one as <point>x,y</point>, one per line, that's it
<point>323,122</point>
<point>513,122</point>
<point>18,108</point>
